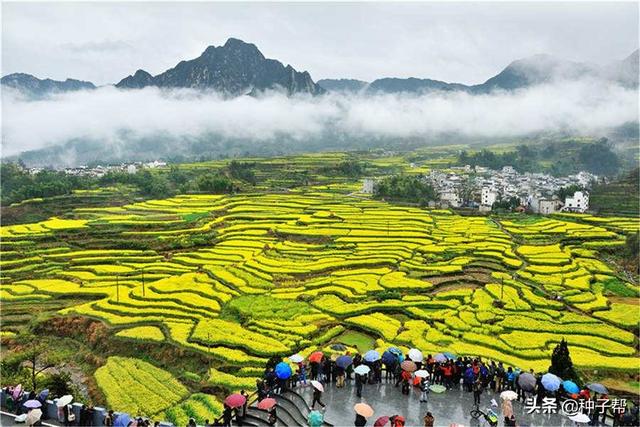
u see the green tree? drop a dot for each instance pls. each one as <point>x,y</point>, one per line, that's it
<point>561,364</point>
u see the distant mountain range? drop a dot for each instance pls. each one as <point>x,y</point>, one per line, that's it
<point>239,68</point>
<point>531,71</point>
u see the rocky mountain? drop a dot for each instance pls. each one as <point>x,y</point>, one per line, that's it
<point>342,85</point>
<point>236,68</point>
<point>35,87</point>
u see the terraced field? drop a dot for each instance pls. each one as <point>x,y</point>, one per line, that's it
<point>243,278</point>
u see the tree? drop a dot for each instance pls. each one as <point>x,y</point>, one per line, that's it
<point>561,364</point>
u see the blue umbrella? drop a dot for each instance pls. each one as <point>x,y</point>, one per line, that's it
<point>550,382</point>
<point>371,356</point>
<point>449,355</point>
<point>122,420</point>
<point>315,418</point>
<point>283,371</point>
<point>397,352</point>
<point>598,388</point>
<point>344,361</point>
<point>389,358</point>
<point>43,395</point>
<point>570,387</point>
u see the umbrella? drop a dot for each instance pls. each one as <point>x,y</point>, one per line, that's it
<point>449,355</point>
<point>317,385</point>
<point>570,387</point>
<point>381,422</point>
<point>421,374</point>
<point>19,419</point>
<point>363,409</point>
<point>235,400</point>
<point>408,365</point>
<point>315,418</point>
<point>283,371</point>
<point>338,347</point>
<point>395,350</point>
<point>316,356</point>
<point>43,395</point>
<point>362,370</point>
<point>580,418</point>
<point>296,358</point>
<point>33,416</point>
<point>122,420</point>
<point>437,388</point>
<point>440,358</point>
<point>389,358</point>
<point>509,395</point>
<point>550,382</point>
<point>267,403</point>
<point>344,361</point>
<point>32,404</point>
<point>598,388</point>
<point>16,392</point>
<point>527,381</point>
<point>64,400</point>
<point>371,356</point>
<point>415,355</point>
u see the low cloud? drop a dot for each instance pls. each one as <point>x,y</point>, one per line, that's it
<point>111,115</point>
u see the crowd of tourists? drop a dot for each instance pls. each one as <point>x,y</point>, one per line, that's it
<point>438,373</point>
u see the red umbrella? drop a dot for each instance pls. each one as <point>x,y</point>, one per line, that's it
<point>408,365</point>
<point>316,356</point>
<point>381,422</point>
<point>235,400</point>
<point>267,403</point>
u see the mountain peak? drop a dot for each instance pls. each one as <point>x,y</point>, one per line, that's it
<point>233,69</point>
<point>36,87</point>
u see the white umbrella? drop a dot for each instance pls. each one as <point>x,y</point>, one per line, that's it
<point>580,418</point>
<point>317,385</point>
<point>296,358</point>
<point>20,418</point>
<point>33,416</point>
<point>508,395</point>
<point>64,400</point>
<point>421,373</point>
<point>415,355</point>
<point>362,370</point>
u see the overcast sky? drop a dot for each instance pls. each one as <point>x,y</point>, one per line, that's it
<point>461,42</point>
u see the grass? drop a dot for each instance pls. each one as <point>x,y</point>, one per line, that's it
<point>356,339</point>
<point>616,287</point>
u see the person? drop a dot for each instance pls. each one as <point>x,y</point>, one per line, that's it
<point>477,391</point>
<point>447,372</point>
<point>424,388</point>
<point>358,385</point>
<point>108,419</point>
<point>246,402</point>
<point>397,421</point>
<point>511,421</point>
<point>500,373</point>
<point>468,378</point>
<point>317,394</point>
<point>314,370</point>
<point>340,377</point>
<point>428,420</point>
<point>360,421</point>
<point>302,373</point>
<point>273,418</point>
<point>227,415</point>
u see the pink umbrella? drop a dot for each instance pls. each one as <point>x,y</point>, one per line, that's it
<point>381,422</point>
<point>235,400</point>
<point>267,403</point>
<point>17,391</point>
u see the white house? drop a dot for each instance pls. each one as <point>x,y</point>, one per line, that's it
<point>488,196</point>
<point>450,197</point>
<point>368,185</point>
<point>132,169</point>
<point>545,206</point>
<point>579,202</point>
